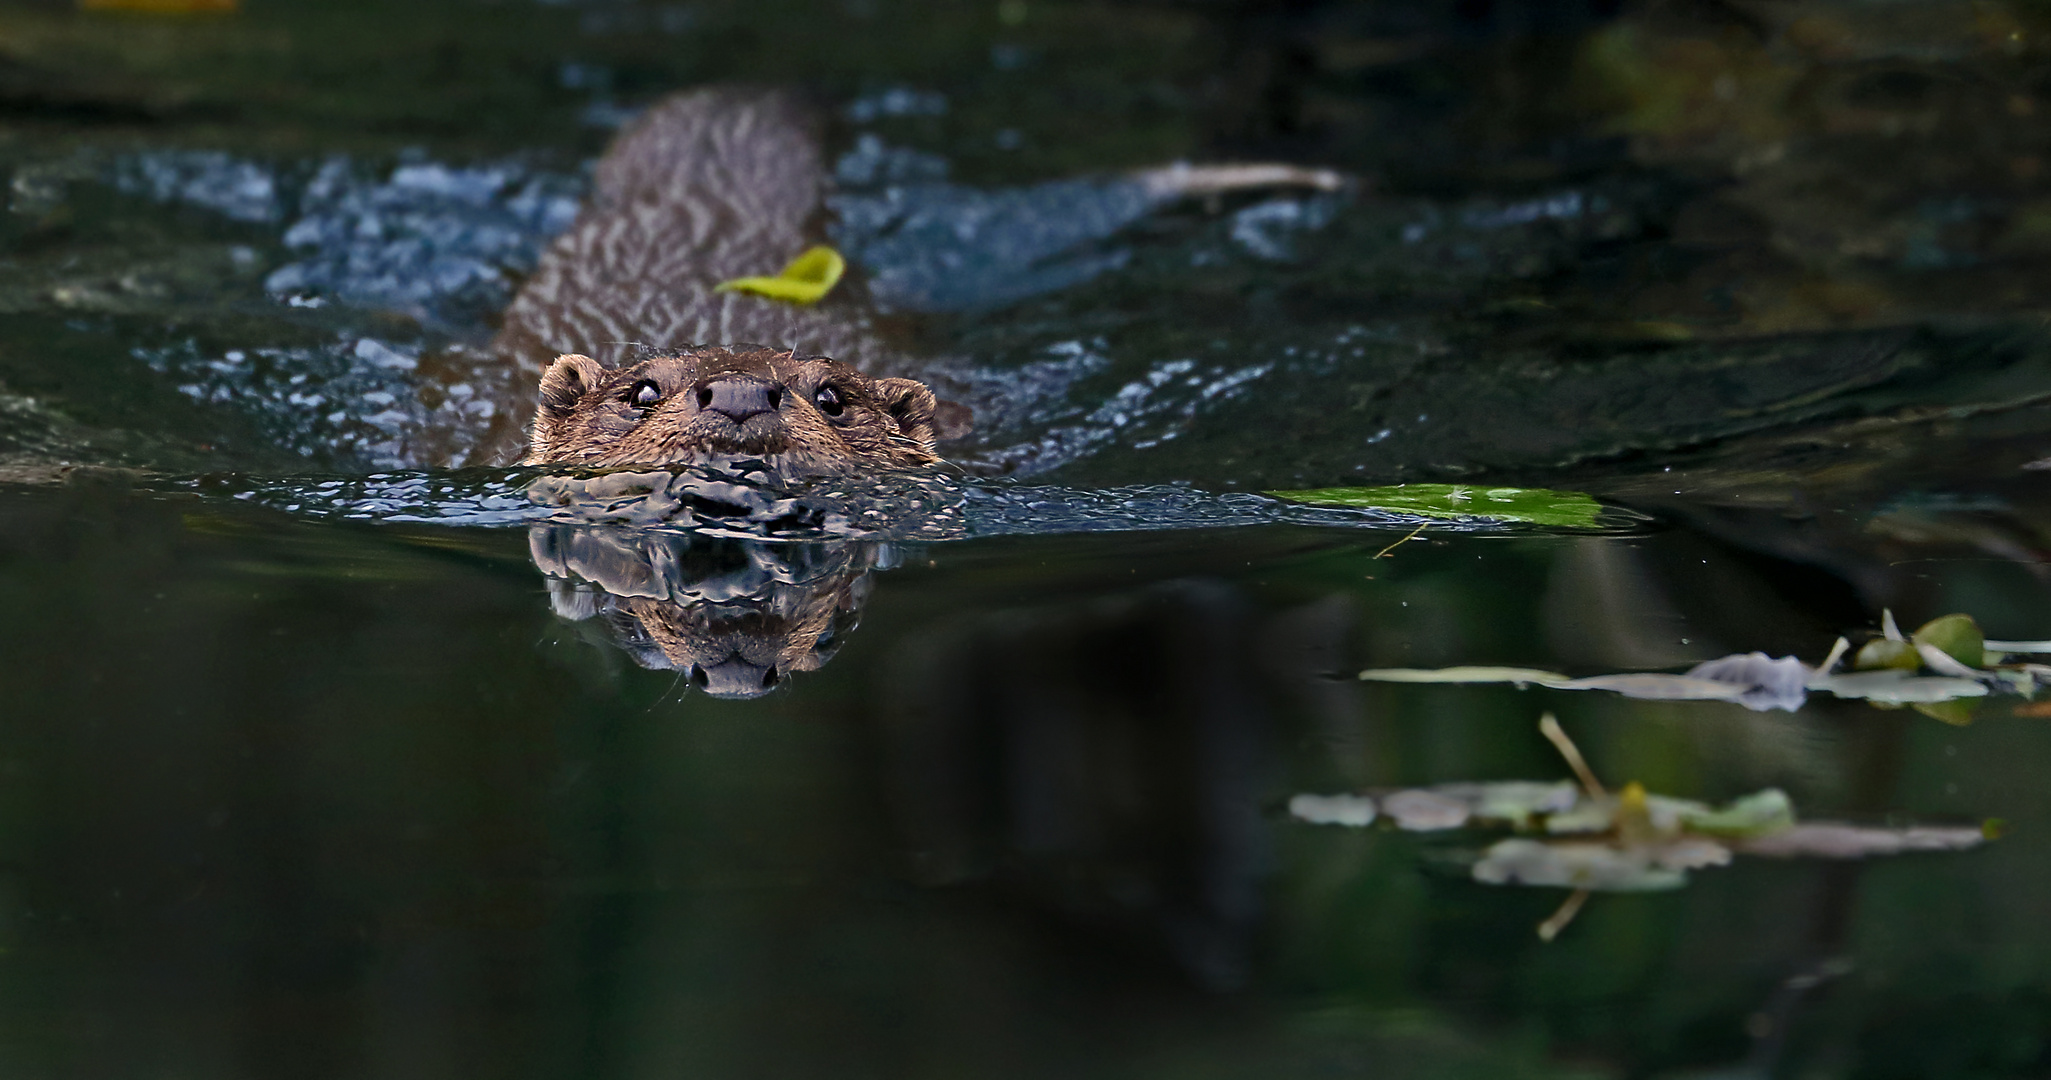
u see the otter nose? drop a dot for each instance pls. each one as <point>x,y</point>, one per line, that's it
<point>734,677</point>
<point>739,396</point>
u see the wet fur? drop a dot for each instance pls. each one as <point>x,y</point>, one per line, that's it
<point>588,414</point>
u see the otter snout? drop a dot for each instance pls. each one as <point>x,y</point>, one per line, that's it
<point>735,677</point>
<point>739,397</point>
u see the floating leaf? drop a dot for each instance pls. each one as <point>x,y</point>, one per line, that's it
<point>1465,675</point>
<point>1897,687</point>
<point>1536,506</point>
<point>1654,686</point>
<point>1603,867</point>
<point>1754,680</point>
<point>1757,814</point>
<point>809,277</point>
<point>1518,804</point>
<point>1355,810</point>
<point>1957,636</point>
<point>1836,840</point>
<point>1884,653</point>
<point>1956,713</point>
<point>1420,810</point>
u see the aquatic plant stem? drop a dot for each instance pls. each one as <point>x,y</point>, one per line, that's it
<point>1549,726</point>
<point>1407,537</point>
<point>1560,919</point>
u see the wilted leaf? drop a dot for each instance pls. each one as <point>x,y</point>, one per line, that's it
<point>1355,810</point>
<point>1653,686</point>
<point>1465,675</point>
<point>1516,803</point>
<point>807,279</point>
<point>1896,687</point>
<point>1419,810</point>
<point>1836,840</point>
<point>1565,509</point>
<point>1580,864</point>
<point>1754,680</point>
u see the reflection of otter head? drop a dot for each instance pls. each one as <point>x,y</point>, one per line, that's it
<point>736,616</point>
<point>809,412</point>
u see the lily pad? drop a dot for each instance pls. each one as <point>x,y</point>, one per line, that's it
<point>807,279</point>
<point>1535,506</point>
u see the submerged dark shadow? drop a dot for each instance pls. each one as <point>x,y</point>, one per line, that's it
<point>1109,758</point>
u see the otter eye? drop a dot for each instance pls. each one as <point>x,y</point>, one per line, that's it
<point>829,401</point>
<point>644,394</point>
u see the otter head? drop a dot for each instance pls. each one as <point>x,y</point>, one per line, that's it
<point>810,413</point>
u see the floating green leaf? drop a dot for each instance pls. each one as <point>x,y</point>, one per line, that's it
<point>809,277</point>
<point>1536,506</point>
<point>1958,636</point>
<point>1957,713</point>
<point>1886,653</point>
<point>1758,814</point>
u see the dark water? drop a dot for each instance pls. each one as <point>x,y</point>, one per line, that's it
<point>318,759</point>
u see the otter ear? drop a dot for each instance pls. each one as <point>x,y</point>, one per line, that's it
<point>566,382</point>
<point>563,385</point>
<point>919,414</point>
<point>910,404</point>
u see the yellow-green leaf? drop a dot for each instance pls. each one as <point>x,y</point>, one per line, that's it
<point>807,279</point>
<point>1957,636</point>
<point>1883,653</point>
<point>1957,713</point>
<point>1568,509</point>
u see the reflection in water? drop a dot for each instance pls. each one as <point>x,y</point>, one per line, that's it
<point>736,616</point>
<point>1589,839</point>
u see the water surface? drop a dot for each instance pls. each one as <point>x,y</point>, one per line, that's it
<point>320,757</point>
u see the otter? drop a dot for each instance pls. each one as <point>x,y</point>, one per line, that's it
<point>804,415</point>
<point>704,187</point>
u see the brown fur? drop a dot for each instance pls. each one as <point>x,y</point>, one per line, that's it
<point>674,409</point>
<point>736,650</point>
<point>736,618</point>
